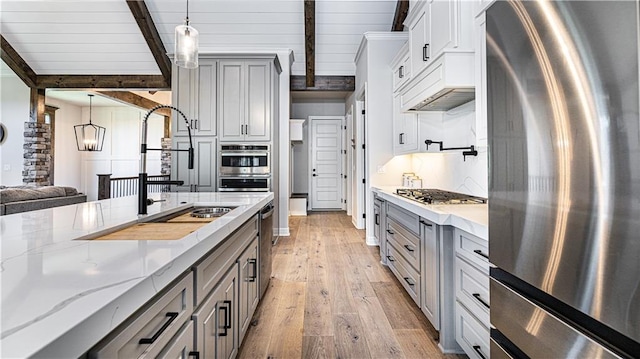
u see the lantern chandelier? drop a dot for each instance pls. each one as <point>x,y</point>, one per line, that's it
<point>89,137</point>
<point>186,44</point>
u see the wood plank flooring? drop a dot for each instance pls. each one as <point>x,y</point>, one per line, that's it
<point>329,297</point>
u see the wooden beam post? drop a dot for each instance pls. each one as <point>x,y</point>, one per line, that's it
<point>156,82</point>
<point>310,40</point>
<point>402,9</point>
<point>36,105</point>
<point>16,63</point>
<point>148,29</point>
<point>323,83</point>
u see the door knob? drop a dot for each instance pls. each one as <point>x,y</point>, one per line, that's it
<point>315,175</point>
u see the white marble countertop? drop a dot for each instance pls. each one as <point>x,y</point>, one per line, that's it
<point>60,296</point>
<point>472,218</point>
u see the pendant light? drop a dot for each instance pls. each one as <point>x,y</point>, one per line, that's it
<point>89,137</point>
<point>186,44</point>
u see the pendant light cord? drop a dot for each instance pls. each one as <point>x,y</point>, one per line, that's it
<point>90,100</point>
<point>187,19</point>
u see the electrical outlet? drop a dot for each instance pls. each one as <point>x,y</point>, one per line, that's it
<point>381,169</point>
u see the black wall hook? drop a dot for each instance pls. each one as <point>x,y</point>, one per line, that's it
<point>467,151</point>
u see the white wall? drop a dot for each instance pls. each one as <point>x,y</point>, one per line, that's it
<point>302,109</point>
<point>14,109</point>
<point>120,155</point>
<point>67,158</point>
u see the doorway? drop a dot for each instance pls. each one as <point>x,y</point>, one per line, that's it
<point>326,180</point>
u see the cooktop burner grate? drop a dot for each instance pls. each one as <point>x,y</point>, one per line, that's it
<point>436,196</point>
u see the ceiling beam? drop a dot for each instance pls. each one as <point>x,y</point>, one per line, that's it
<point>142,15</point>
<point>402,9</point>
<point>310,40</point>
<point>16,63</point>
<point>36,105</point>
<point>130,82</point>
<point>323,83</point>
<point>135,100</point>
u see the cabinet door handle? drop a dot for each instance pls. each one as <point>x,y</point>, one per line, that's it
<point>401,72</point>
<point>477,349</point>
<point>477,296</point>
<point>426,224</point>
<point>227,317</point>
<point>402,139</point>
<point>377,219</point>
<point>254,275</point>
<point>390,232</point>
<point>425,50</point>
<point>194,354</point>
<point>479,252</point>
<point>172,316</point>
<point>409,248</point>
<point>196,124</point>
<point>391,258</point>
<point>409,281</point>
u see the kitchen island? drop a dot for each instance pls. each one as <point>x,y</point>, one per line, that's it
<point>61,295</point>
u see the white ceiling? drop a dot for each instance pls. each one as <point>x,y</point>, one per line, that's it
<point>102,37</point>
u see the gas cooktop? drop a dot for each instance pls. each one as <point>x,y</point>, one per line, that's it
<point>436,196</point>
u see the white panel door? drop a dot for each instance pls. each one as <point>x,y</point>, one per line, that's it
<point>326,165</point>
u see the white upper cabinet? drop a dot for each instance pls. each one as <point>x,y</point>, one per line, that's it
<point>194,93</point>
<point>401,66</point>
<point>245,100</point>
<point>436,25</point>
<point>405,130</point>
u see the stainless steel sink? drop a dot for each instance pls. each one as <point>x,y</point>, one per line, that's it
<point>210,212</point>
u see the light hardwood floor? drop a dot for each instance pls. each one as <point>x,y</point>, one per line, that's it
<point>329,297</point>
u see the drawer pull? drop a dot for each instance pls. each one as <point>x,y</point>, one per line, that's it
<point>172,316</point>
<point>477,349</point>
<point>409,281</point>
<point>227,319</point>
<point>390,232</point>
<point>391,258</point>
<point>254,272</point>
<point>479,252</point>
<point>425,56</point>
<point>409,248</point>
<point>477,296</point>
<point>426,224</point>
<point>194,354</point>
<point>377,219</point>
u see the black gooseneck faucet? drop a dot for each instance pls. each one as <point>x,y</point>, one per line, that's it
<point>143,200</point>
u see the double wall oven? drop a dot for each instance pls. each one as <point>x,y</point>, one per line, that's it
<point>244,167</point>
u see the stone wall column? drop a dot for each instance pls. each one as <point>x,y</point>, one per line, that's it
<point>165,156</point>
<point>37,154</point>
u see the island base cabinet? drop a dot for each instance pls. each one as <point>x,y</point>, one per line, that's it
<point>182,345</point>
<point>153,326</point>
<point>249,291</point>
<point>216,321</point>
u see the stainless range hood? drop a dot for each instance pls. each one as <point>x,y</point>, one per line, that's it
<point>447,82</point>
<point>446,99</point>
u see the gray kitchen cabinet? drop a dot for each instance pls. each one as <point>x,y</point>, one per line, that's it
<point>472,294</point>
<point>430,272</point>
<point>202,178</point>
<point>249,287</point>
<point>194,92</point>
<point>216,320</point>
<point>245,100</point>
<point>181,346</point>
<point>403,249</point>
<point>152,327</point>
<point>379,222</point>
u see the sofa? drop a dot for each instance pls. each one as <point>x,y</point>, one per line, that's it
<point>17,199</point>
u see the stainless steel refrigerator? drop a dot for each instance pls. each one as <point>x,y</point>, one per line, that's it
<point>564,188</point>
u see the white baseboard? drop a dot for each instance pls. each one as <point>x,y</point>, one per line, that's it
<point>281,232</point>
<point>372,241</point>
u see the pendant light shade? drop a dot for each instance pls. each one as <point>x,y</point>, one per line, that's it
<point>89,137</point>
<point>186,44</point>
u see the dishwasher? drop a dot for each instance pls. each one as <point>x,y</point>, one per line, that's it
<point>266,243</point>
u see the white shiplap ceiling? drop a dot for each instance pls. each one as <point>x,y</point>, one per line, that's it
<point>101,37</point>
